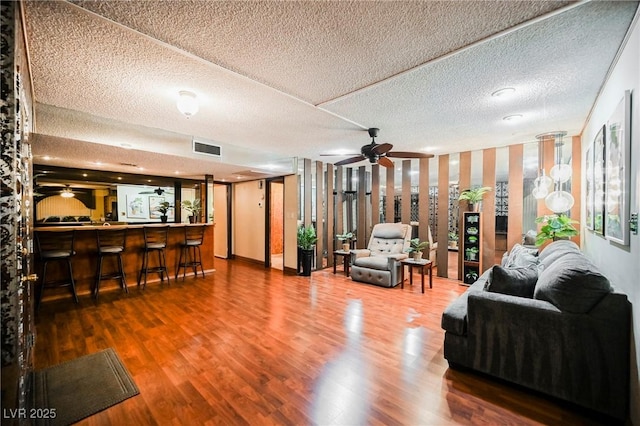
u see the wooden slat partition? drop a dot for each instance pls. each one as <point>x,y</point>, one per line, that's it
<point>423,197</point>
<point>489,209</point>
<point>464,182</point>
<point>330,211</point>
<point>443,215</point>
<point>515,185</point>
<point>307,192</point>
<point>375,194</point>
<point>339,200</point>
<point>319,214</point>
<point>406,191</point>
<point>576,180</point>
<point>363,231</point>
<point>390,190</point>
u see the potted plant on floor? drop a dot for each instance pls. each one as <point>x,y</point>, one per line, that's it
<point>194,207</point>
<point>453,240</point>
<point>555,227</point>
<point>163,208</point>
<point>474,197</point>
<point>346,240</point>
<point>306,240</point>
<point>416,247</point>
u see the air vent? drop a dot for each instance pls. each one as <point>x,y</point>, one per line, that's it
<point>202,147</point>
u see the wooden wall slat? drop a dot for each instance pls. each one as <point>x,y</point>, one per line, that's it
<point>320,219</point>
<point>489,209</point>
<point>307,192</point>
<point>516,196</point>
<point>375,194</point>
<point>443,215</point>
<point>390,193</point>
<point>406,191</point>
<point>423,199</point>
<point>576,180</point>
<point>464,182</point>
<point>362,208</point>
<point>330,212</point>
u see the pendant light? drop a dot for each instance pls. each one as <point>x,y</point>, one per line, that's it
<point>543,184</point>
<point>558,201</point>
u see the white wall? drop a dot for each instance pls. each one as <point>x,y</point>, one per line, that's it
<point>621,264</point>
<point>249,220</point>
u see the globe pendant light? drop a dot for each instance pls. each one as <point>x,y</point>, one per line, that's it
<point>558,201</point>
<point>541,186</point>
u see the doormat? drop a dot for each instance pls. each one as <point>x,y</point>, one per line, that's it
<point>73,390</point>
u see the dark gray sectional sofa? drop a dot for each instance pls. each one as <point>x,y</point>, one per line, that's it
<point>549,322</point>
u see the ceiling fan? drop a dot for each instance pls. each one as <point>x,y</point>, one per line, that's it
<point>158,191</point>
<point>379,153</point>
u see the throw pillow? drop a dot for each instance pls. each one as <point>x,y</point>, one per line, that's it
<point>519,282</point>
<point>572,284</point>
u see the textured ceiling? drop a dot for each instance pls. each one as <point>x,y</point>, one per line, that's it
<point>278,80</point>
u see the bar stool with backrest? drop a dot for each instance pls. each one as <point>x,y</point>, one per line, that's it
<point>111,244</point>
<point>55,246</point>
<point>190,250</point>
<point>155,240</point>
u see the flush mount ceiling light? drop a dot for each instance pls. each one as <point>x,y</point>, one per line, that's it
<point>188,103</point>
<point>512,117</point>
<point>67,193</point>
<point>503,93</point>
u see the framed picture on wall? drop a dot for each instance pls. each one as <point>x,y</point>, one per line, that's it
<point>589,188</point>
<point>135,207</point>
<point>154,203</point>
<point>599,181</point>
<point>617,160</point>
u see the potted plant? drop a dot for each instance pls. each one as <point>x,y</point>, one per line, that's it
<point>346,240</point>
<point>474,197</point>
<point>471,253</point>
<point>472,230</point>
<point>416,246</point>
<point>306,240</point>
<point>163,208</point>
<point>453,240</point>
<point>472,239</point>
<point>555,227</point>
<point>194,207</point>
<point>471,276</point>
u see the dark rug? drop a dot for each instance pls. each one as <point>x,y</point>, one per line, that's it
<point>76,389</point>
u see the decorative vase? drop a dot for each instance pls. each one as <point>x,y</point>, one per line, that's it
<point>346,247</point>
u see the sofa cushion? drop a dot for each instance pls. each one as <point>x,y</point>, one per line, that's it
<point>572,284</point>
<point>556,250</point>
<point>380,263</point>
<point>513,281</point>
<point>521,256</point>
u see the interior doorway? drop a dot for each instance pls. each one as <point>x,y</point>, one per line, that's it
<point>275,241</point>
<point>222,219</point>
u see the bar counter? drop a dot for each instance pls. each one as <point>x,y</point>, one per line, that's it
<point>85,260</point>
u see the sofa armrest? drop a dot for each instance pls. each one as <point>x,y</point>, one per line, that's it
<point>397,256</point>
<point>356,253</point>
<point>583,358</point>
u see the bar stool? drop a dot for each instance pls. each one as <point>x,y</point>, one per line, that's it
<point>193,238</point>
<point>111,243</point>
<point>55,246</point>
<point>155,240</point>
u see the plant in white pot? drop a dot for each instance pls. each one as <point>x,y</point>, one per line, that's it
<point>474,197</point>
<point>346,240</point>
<point>194,207</point>
<point>416,247</point>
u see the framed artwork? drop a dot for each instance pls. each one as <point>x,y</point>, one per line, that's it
<point>617,160</point>
<point>154,203</point>
<point>599,181</point>
<point>589,188</point>
<point>135,207</point>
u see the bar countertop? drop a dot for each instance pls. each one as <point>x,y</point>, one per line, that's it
<point>89,227</point>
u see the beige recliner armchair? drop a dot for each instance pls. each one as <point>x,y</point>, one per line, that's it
<point>379,263</point>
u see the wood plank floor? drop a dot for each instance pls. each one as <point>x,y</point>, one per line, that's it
<point>249,345</point>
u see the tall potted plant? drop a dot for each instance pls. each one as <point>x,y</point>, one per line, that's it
<point>555,227</point>
<point>474,197</point>
<point>306,240</point>
<point>194,207</point>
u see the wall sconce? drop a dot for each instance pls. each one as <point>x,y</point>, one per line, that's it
<point>188,103</point>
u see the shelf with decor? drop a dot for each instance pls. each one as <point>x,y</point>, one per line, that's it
<point>471,249</point>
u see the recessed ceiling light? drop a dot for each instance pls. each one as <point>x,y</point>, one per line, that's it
<point>504,92</point>
<point>46,157</point>
<point>126,145</point>
<point>119,177</point>
<point>513,117</point>
<point>84,175</point>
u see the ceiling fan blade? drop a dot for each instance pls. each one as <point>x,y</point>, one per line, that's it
<point>350,160</point>
<point>401,154</point>
<point>382,148</point>
<point>339,155</point>
<point>385,162</point>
